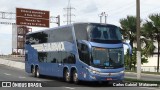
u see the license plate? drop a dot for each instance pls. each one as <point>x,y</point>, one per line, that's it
<point>109,78</point>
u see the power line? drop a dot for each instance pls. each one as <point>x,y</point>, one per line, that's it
<point>121,7</point>
<point>123,10</point>
<point>151,10</point>
<point>131,4</point>
<point>8,23</point>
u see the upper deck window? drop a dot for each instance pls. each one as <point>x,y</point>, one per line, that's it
<point>104,32</point>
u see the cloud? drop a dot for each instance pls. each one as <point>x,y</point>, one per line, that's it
<point>90,7</point>
<point>6,44</point>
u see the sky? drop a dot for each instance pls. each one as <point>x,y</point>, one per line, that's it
<point>85,11</point>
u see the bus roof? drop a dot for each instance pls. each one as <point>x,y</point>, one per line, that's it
<point>68,26</point>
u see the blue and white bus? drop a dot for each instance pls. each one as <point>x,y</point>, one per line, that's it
<point>80,51</point>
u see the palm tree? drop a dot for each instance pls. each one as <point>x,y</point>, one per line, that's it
<point>129,28</point>
<point>129,31</point>
<point>151,31</point>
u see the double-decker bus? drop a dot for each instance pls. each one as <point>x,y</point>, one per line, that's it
<point>80,51</point>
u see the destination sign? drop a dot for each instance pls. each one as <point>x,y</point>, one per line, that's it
<point>30,17</point>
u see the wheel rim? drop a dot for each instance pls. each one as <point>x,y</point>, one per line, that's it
<point>75,77</point>
<point>67,76</point>
<point>37,72</point>
<point>33,72</point>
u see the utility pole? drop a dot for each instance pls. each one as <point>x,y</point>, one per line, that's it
<point>138,40</point>
<point>58,20</point>
<point>103,14</point>
<point>69,13</point>
<point>158,51</point>
<point>100,18</point>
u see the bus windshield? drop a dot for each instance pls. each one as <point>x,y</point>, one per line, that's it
<point>107,58</point>
<point>104,32</point>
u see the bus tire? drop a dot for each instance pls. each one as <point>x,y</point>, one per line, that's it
<point>37,74</point>
<point>67,76</point>
<point>33,71</point>
<point>75,77</point>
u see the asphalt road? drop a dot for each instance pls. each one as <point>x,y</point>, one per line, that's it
<point>13,74</point>
<point>128,75</point>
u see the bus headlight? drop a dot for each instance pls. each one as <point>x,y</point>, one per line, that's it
<point>93,71</point>
<point>26,51</point>
<point>121,72</point>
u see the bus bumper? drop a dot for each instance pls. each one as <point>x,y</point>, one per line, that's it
<point>109,77</point>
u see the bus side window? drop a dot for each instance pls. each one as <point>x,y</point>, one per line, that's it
<point>83,51</point>
<point>58,57</point>
<point>54,60</point>
<point>26,56</point>
<point>42,56</point>
<point>71,59</point>
<point>27,40</point>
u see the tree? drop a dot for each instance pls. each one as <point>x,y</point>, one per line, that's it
<point>129,28</point>
<point>129,32</point>
<point>151,31</point>
<point>134,56</point>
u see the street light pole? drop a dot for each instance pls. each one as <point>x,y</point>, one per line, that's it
<point>58,20</point>
<point>138,40</point>
<point>105,16</point>
<point>100,19</point>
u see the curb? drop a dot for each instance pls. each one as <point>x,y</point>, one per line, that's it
<point>19,65</point>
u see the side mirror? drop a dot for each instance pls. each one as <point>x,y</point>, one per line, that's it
<point>129,46</point>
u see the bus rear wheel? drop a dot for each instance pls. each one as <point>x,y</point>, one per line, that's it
<point>37,72</point>
<point>67,76</point>
<point>75,77</point>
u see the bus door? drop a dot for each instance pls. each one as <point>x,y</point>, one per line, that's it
<point>27,67</point>
<point>84,54</point>
<point>30,58</point>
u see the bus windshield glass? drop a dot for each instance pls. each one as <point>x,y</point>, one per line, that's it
<point>108,58</point>
<point>104,32</point>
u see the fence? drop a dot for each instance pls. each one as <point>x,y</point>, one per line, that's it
<point>149,68</point>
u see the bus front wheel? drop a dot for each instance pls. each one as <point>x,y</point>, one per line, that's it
<point>66,76</point>
<point>75,77</point>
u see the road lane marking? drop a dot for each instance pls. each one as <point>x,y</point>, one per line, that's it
<point>7,74</point>
<point>21,77</point>
<point>69,88</point>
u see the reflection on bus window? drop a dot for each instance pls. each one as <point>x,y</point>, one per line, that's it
<point>104,32</point>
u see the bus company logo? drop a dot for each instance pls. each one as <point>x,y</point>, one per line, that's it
<point>59,46</point>
<point>109,74</point>
<point>6,84</point>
